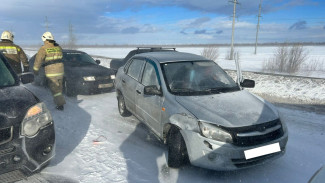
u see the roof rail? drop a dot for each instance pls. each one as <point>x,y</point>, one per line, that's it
<point>153,48</point>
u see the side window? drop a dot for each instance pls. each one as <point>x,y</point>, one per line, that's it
<point>149,75</point>
<point>135,69</point>
<point>6,78</point>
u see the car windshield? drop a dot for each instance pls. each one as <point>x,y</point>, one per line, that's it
<point>6,78</point>
<point>75,58</point>
<point>197,78</point>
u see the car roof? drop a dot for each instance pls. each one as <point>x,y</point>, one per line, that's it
<point>71,51</point>
<point>163,57</point>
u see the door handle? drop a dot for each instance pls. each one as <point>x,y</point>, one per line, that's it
<point>138,91</point>
<point>123,81</point>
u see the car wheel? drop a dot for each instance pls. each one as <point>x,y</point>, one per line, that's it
<point>67,89</point>
<point>122,108</point>
<point>177,153</point>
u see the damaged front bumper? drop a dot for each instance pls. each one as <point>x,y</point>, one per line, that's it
<point>27,154</point>
<point>212,154</point>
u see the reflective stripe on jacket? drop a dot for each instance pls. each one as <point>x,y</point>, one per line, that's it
<point>15,55</point>
<point>49,55</point>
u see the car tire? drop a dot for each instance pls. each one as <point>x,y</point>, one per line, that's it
<point>177,153</point>
<point>122,108</point>
<point>67,89</point>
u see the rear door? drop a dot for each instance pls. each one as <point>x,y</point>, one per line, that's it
<point>149,107</point>
<point>130,81</point>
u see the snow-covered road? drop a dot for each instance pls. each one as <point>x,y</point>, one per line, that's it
<point>128,152</point>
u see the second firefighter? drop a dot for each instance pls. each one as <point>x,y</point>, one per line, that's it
<point>50,56</point>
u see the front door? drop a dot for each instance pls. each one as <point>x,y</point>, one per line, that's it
<point>149,107</point>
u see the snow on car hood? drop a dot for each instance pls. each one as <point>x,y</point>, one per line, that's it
<point>14,102</point>
<point>233,109</point>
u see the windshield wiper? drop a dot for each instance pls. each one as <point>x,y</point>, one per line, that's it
<point>221,90</point>
<point>183,90</point>
<point>211,90</point>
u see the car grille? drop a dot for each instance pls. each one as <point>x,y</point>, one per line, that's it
<point>240,163</point>
<point>6,135</point>
<point>99,78</point>
<point>256,134</point>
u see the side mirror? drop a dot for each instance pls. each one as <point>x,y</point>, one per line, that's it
<point>247,83</point>
<point>98,62</point>
<point>152,90</point>
<point>26,77</point>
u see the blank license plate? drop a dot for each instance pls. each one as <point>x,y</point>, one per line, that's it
<point>260,151</point>
<point>105,85</point>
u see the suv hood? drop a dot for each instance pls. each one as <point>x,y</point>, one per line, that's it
<point>88,70</point>
<point>14,102</point>
<point>234,109</point>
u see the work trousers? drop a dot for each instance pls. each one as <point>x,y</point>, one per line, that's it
<point>55,85</point>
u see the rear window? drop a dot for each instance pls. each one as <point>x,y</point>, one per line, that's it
<point>77,58</point>
<point>6,78</point>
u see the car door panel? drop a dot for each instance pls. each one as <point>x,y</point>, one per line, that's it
<point>149,107</point>
<point>130,82</point>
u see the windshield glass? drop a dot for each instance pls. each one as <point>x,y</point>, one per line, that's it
<point>6,78</point>
<point>78,59</point>
<point>197,78</point>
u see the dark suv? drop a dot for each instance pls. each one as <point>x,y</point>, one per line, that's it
<point>117,63</point>
<point>27,137</point>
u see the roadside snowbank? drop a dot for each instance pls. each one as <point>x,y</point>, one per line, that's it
<point>287,89</point>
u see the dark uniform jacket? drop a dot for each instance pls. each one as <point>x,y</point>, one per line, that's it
<point>50,56</point>
<point>14,55</point>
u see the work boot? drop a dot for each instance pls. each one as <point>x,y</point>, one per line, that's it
<point>60,107</point>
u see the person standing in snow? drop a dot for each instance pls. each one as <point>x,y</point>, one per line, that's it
<point>50,56</point>
<point>13,53</point>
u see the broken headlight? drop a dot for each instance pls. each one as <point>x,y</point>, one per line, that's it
<point>213,132</point>
<point>36,118</point>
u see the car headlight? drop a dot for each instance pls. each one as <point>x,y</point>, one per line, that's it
<point>112,76</point>
<point>215,133</point>
<point>36,117</point>
<point>89,78</point>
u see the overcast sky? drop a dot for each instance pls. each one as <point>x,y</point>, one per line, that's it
<point>163,21</point>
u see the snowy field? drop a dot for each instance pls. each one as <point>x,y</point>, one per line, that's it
<point>249,61</point>
<point>128,152</point>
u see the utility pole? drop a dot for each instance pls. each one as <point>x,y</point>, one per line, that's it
<point>258,25</point>
<point>233,30</point>
<point>72,38</point>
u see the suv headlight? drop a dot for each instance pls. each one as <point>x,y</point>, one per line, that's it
<point>112,76</point>
<point>215,133</point>
<point>36,117</point>
<point>89,78</point>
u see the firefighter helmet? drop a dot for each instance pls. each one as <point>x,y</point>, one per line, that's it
<point>47,36</point>
<point>7,35</point>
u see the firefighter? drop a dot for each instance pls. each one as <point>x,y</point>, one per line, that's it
<point>14,54</point>
<point>50,56</point>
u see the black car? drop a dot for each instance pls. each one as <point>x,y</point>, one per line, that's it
<point>82,74</point>
<point>115,64</point>
<point>27,137</point>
